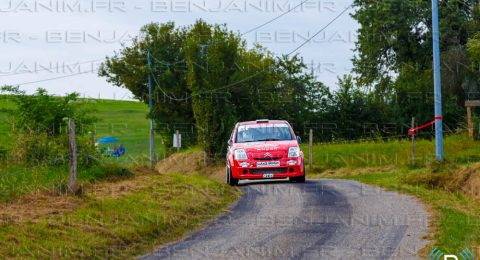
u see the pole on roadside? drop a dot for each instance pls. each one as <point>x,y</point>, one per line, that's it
<point>177,137</point>
<point>413,142</point>
<point>437,83</point>
<point>150,103</point>
<point>73,154</point>
<point>205,155</point>
<point>469,122</point>
<point>310,148</point>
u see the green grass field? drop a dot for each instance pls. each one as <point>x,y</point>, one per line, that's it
<point>458,148</point>
<point>125,120</point>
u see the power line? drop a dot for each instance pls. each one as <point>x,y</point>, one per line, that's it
<point>49,79</point>
<point>245,79</point>
<point>321,30</point>
<point>274,19</point>
<point>169,64</point>
<point>204,92</point>
<point>46,69</point>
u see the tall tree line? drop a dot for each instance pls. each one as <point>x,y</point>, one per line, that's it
<point>393,57</point>
<point>206,78</point>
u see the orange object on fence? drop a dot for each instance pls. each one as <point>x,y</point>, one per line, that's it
<point>412,131</point>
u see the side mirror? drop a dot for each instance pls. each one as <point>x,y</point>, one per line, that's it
<point>299,140</point>
<point>230,142</point>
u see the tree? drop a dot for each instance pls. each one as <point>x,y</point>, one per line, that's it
<point>208,77</point>
<point>128,69</point>
<point>212,53</point>
<point>42,113</point>
<point>394,55</point>
<point>473,47</point>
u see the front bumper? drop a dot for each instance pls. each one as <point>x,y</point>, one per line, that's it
<point>287,168</point>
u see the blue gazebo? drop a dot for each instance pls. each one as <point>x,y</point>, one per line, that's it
<point>107,140</point>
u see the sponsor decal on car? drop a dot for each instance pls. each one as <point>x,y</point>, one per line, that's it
<point>268,164</point>
<point>244,164</point>
<point>268,147</point>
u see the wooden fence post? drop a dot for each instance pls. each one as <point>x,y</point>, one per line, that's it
<point>469,104</point>
<point>73,154</point>
<point>413,142</point>
<point>469,122</point>
<point>310,144</point>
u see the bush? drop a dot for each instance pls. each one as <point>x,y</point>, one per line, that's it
<point>41,113</point>
<point>42,149</point>
<point>3,153</point>
<point>41,133</point>
<point>38,149</point>
<point>110,170</point>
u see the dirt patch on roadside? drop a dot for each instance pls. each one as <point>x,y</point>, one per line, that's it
<point>216,172</point>
<point>471,185</point>
<point>181,163</point>
<point>451,178</point>
<point>190,163</point>
<point>36,205</point>
<point>33,206</point>
<point>120,187</point>
<point>347,172</point>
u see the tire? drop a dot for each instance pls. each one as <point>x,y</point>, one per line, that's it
<point>299,179</point>
<point>230,180</point>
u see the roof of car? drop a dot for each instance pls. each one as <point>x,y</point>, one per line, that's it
<point>263,122</point>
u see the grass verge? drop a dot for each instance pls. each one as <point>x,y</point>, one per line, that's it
<point>450,189</point>
<point>16,180</point>
<point>116,220</point>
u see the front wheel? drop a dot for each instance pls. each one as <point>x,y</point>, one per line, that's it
<point>299,179</point>
<point>230,180</point>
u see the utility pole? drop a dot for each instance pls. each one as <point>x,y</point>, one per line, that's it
<point>437,83</point>
<point>152,147</point>
<point>205,161</point>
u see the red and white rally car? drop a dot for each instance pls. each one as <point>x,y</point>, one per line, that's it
<point>264,149</point>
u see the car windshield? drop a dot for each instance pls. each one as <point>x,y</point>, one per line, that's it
<point>263,132</point>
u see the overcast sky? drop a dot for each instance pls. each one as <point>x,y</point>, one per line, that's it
<point>44,39</point>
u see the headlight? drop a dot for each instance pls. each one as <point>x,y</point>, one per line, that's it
<point>240,154</point>
<point>293,152</point>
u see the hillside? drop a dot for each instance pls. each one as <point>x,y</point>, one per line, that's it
<point>125,120</point>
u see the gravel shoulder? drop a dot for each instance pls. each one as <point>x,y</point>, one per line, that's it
<point>321,219</point>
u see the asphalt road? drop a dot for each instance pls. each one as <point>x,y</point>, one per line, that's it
<point>321,219</point>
